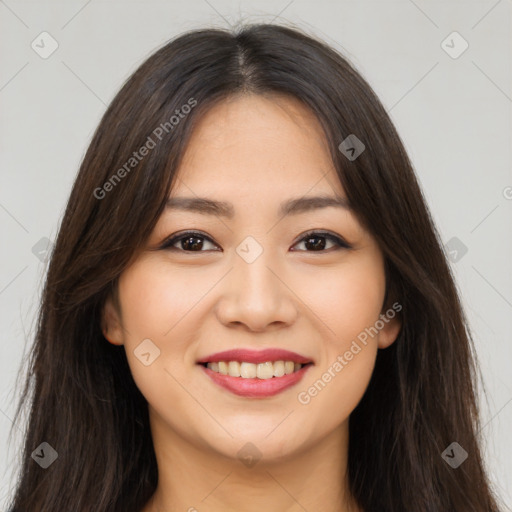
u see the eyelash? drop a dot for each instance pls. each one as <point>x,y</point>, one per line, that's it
<point>169,242</point>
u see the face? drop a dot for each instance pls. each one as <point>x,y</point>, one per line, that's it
<point>251,277</point>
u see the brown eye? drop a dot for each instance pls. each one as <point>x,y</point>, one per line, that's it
<point>315,241</point>
<point>194,241</point>
<point>190,241</point>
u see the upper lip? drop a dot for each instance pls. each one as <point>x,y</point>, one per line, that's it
<point>255,356</point>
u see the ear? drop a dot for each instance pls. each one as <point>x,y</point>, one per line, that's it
<point>111,324</point>
<point>392,324</point>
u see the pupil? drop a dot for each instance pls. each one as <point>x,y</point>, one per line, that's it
<point>318,244</point>
<point>193,245</point>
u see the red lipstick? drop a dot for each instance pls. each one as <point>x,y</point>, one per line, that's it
<point>255,356</point>
<point>255,387</point>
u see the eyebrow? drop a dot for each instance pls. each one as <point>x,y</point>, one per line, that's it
<point>293,206</point>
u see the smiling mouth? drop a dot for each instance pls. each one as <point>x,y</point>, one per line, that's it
<point>264,371</point>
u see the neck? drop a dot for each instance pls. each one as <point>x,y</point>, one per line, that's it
<point>196,478</point>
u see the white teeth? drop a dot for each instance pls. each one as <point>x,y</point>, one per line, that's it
<point>265,370</point>
<point>278,368</point>
<point>246,370</point>
<point>234,368</point>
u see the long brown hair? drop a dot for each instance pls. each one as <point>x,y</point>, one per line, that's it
<point>84,402</point>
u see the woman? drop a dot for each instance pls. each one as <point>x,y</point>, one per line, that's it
<point>248,304</point>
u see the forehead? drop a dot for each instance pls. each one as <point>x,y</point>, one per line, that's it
<point>250,145</point>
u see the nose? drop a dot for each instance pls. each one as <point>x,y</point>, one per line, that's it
<point>256,296</point>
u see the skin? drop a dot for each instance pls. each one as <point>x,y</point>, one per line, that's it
<point>254,152</point>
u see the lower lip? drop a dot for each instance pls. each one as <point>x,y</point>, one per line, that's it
<point>256,388</point>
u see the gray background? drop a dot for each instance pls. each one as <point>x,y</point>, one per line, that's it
<point>452,111</point>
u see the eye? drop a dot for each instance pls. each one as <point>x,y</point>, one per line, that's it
<point>315,240</point>
<point>190,241</point>
<point>193,241</point>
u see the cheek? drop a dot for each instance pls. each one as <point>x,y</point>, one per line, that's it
<point>348,299</point>
<point>154,303</point>
<point>156,299</point>
<point>330,396</point>
<point>336,385</point>
<point>349,303</point>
